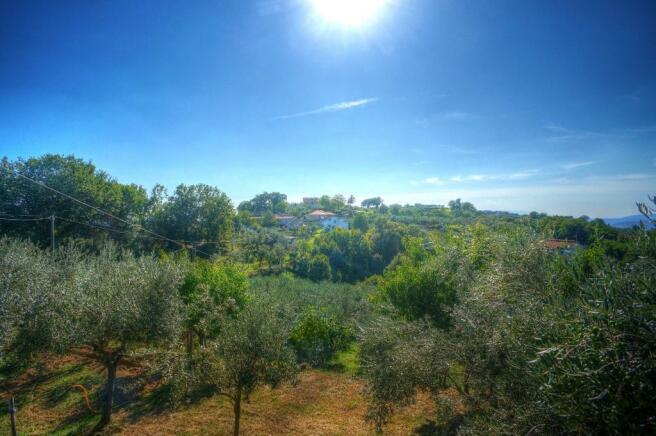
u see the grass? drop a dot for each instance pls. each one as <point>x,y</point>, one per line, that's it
<point>323,402</point>
<point>47,401</point>
<point>347,361</point>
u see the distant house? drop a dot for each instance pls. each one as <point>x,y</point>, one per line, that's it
<point>327,220</point>
<point>288,221</point>
<point>560,245</point>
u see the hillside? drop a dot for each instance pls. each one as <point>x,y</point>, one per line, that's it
<point>628,222</point>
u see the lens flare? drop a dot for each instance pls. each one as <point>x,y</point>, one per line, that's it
<point>348,13</point>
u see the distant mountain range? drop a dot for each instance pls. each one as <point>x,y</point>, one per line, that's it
<point>628,221</point>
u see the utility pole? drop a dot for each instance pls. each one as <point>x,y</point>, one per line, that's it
<point>12,416</point>
<point>52,233</point>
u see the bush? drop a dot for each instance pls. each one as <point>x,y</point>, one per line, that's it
<point>317,337</point>
<point>419,287</point>
<point>314,267</point>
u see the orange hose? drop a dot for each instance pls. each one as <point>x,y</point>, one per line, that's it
<point>86,396</point>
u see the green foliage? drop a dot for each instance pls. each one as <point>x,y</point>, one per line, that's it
<point>31,292</point>
<point>211,289</point>
<point>110,303</point>
<point>315,268</point>
<point>459,208</point>
<point>360,222</point>
<point>374,202</point>
<point>118,301</point>
<point>292,296</point>
<point>421,286</point>
<point>538,343</point>
<point>647,209</point>
<point>317,337</point>
<point>253,351</point>
<point>265,247</point>
<point>195,213</point>
<point>599,375</point>
<point>23,198</point>
<point>399,359</point>
<point>386,237</point>
<point>272,203</point>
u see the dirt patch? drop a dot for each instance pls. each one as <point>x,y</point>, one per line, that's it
<point>320,404</point>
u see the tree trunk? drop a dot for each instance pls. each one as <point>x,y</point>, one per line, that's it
<point>190,345</point>
<point>108,401</point>
<point>237,410</point>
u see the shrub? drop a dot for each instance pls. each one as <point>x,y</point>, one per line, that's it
<point>317,337</point>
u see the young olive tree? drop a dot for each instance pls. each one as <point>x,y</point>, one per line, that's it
<point>119,302</point>
<point>399,358</point>
<point>252,352</point>
<point>209,290</point>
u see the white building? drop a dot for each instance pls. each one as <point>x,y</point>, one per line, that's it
<point>327,220</point>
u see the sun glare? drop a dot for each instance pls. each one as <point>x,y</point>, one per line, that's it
<point>348,13</point>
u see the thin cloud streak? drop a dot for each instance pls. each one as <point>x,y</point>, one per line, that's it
<point>575,165</point>
<point>434,181</point>
<point>336,107</point>
<point>562,134</point>
<point>519,175</point>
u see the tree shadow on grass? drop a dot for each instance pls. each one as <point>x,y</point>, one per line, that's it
<point>81,423</point>
<point>63,391</point>
<point>431,428</point>
<point>159,401</point>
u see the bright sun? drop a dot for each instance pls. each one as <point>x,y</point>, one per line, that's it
<point>348,13</point>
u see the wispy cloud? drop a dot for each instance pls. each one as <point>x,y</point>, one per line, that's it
<point>471,178</point>
<point>452,115</point>
<point>434,181</point>
<point>336,107</point>
<point>519,175</point>
<point>455,115</point>
<point>562,134</point>
<point>575,165</point>
<point>525,174</point>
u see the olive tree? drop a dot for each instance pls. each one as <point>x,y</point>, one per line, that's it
<point>119,302</point>
<point>400,358</point>
<point>31,296</point>
<point>209,290</point>
<point>252,351</point>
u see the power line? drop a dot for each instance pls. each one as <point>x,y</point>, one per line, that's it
<point>14,215</point>
<point>105,212</point>
<point>24,219</point>
<point>109,229</point>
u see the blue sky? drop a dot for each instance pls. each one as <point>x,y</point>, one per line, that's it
<point>513,105</point>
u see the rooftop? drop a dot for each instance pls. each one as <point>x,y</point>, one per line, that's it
<point>320,213</point>
<point>559,244</point>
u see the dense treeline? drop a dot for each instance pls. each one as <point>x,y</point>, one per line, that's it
<point>202,218</point>
<point>93,207</point>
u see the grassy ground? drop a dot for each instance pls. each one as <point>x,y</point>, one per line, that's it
<point>327,402</point>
